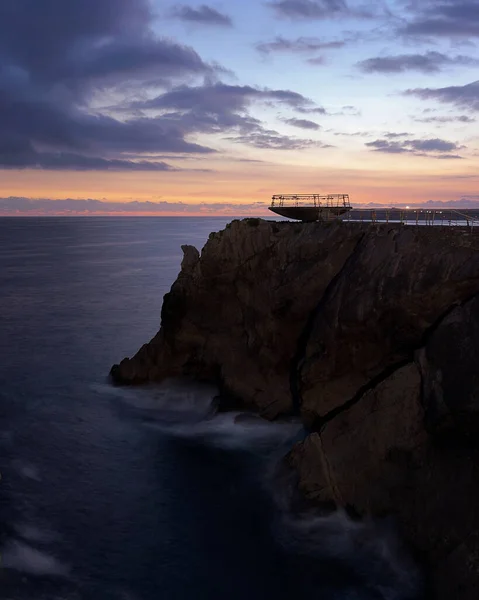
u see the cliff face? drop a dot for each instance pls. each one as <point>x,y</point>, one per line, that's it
<point>238,313</point>
<point>372,334</point>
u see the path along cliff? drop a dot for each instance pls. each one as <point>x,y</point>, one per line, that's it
<point>371,334</point>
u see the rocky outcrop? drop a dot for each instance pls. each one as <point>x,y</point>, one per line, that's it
<point>305,315</point>
<point>236,315</point>
<point>371,333</point>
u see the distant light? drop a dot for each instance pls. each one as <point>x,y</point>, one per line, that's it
<point>407,206</point>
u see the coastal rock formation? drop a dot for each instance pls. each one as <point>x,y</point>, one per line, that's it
<point>371,333</point>
<point>237,314</point>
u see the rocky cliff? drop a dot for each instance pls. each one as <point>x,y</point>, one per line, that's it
<point>371,333</point>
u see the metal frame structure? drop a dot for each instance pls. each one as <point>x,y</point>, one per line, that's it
<point>468,218</point>
<point>315,200</point>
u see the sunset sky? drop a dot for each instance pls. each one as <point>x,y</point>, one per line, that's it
<point>159,107</point>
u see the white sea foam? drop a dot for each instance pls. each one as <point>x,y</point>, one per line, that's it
<point>21,557</point>
<point>187,410</point>
<point>173,397</point>
<point>230,431</point>
<point>372,549</point>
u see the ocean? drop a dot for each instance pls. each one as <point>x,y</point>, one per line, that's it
<point>111,493</point>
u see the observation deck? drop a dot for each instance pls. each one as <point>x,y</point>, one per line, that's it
<point>310,207</point>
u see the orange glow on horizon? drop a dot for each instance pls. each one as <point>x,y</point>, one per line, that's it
<point>381,181</point>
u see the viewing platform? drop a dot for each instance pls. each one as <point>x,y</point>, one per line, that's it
<point>310,207</point>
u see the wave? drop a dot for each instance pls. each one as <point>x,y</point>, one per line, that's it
<point>368,553</point>
<point>19,556</point>
<point>189,411</point>
<point>370,549</point>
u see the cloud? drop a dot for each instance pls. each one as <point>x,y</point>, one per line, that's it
<point>219,97</point>
<point>303,124</point>
<point>57,58</point>
<point>220,108</point>
<point>392,135</point>
<point>442,18</point>
<point>311,111</point>
<point>430,62</point>
<point>76,162</point>
<point>323,9</point>
<point>204,15</point>
<point>434,148</point>
<point>457,119</point>
<point>464,96</point>
<point>348,110</point>
<point>40,206</point>
<point>272,140</point>
<point>299,45</point>
<point>317,61</point>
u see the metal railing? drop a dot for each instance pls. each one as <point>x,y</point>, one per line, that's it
<point>316,200</point>
<point>468,218</point>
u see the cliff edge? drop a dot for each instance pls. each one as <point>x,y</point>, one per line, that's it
<point>371,333</point>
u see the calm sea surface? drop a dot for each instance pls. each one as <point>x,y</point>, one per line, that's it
<point>141,494</point>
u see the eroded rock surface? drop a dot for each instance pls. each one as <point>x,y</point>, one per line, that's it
<point>395,287</point>
<point>450,371</point>
<point>377,458</point>
<point>236,315</point>
<point>305,314</point>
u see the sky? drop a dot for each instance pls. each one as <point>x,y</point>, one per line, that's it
<point>159,107</point>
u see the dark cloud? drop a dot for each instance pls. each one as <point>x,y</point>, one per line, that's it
<point>464,96</point>
<point>430,62</point>
<point>442,18</point>
<point>205,15</point>
<point>431,145</point>
<point>272,140</point>
<point>76,162</point>
<point>219,108</point>
<point>434,148</point>
<point>303,124</point>
<point>298,45</point>
<point>223,99</point>
<point>25,206</point>
<point>457,119</point>
<point>311,111</point>
<point>324,9</point>
<point>57,57</point>
<point>392,136</point>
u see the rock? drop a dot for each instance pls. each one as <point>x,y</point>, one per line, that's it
<point>397,284</point>
<point>450,371</point>
<point>376,458</point>
<point>191,257</point>
<point>351,459</point>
